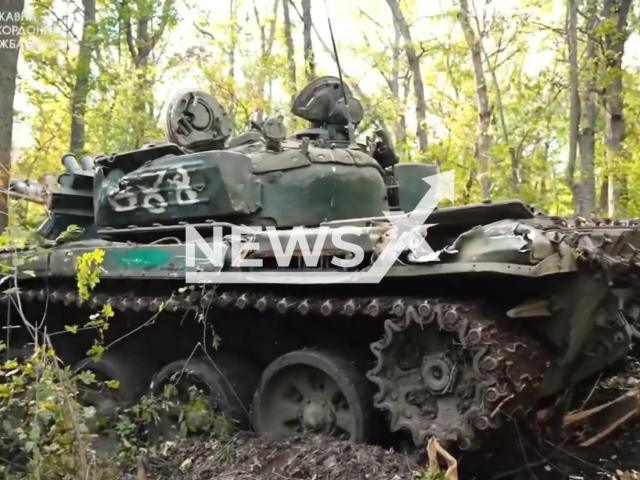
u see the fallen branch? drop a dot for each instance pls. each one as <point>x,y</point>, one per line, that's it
<point>606,418</point>
<point>433,449</point>
<point>142,469</point>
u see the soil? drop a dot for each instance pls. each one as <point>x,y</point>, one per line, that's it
<point>314,458</point>
<point>244,458</point>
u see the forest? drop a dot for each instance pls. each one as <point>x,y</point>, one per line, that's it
<point>536,100</point>
<point>528,99</point>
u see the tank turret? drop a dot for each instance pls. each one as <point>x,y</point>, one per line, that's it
<point>262,177</point>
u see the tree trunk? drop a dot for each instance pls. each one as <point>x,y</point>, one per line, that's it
<point>9,52</point>
<point>574,100</point>
<point>329,51</point>
<point>616,11</point>
<point>414,66</point>
<point>309,60</point>
<point>483,145</point>
<point>83,71</point>
<point>233,18</point>
<point>266,47</point>
<point>140,49</point>
<point>514,153</point>
<point>400,126</point>
<point>144,103</point>
<point>586,188</point>
<point>291,57</point>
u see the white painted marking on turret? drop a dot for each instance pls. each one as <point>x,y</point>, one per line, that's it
<point>152,199</point>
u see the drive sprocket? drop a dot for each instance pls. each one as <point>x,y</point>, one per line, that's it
<point>452,370</point>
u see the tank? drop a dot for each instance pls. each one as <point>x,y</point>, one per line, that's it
<point>512,307</point>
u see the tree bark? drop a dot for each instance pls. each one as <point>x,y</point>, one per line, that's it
<point>483,145</point>
<point>414,66</point>
<point>329,51</point>
<point>9,53</point>
<point>393,81</point>
<point>400,126</point>
<point>514,152</point>
<point>144,82</point>
<point>233,18</point>
<point>586,187</point>
<point>83,72</point>
<point>309,59</point>
<point>291,57</point>
<point>140,49</point>
<point>574,100</point>
<point>266,47</point>
<point>146,39</point>
<point>617,12</point>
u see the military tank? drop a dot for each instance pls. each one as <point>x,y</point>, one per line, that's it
<point>511,307</point>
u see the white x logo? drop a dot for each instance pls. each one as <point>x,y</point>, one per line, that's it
<point>407,226</point>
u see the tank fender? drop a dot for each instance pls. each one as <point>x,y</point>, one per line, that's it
<point>123,260</point>
<point>506,242</point>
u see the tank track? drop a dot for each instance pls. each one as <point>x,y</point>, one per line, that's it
<point>492,373</point>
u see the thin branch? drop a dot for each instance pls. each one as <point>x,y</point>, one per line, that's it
<point>164,20</point>
<point>127,30</point>
<point>204,32</point>
<point>371,19</point>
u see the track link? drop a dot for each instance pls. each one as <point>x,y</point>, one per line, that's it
<point>455,371</point>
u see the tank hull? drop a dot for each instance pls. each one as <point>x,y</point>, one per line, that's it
<point>515,310</point>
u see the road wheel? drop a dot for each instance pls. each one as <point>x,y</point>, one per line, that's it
<point>317,392</point>
<point>225,384</point>
<point>132,375</point>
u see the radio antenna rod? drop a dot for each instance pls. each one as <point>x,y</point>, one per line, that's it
<point>350,127</point>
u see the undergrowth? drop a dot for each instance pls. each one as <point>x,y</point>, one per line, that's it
<point>47,431</point>
<point>48,434</point>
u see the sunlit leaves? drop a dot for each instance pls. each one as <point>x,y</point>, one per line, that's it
<point>88,271</point>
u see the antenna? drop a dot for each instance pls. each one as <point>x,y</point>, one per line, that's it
<point>350,127</point>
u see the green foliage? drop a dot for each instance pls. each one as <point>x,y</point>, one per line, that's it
<point>43,419</point>
<point>88,271</point>
<point>50,433</point>
<point>47,431</point>
<point>429,473</point>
